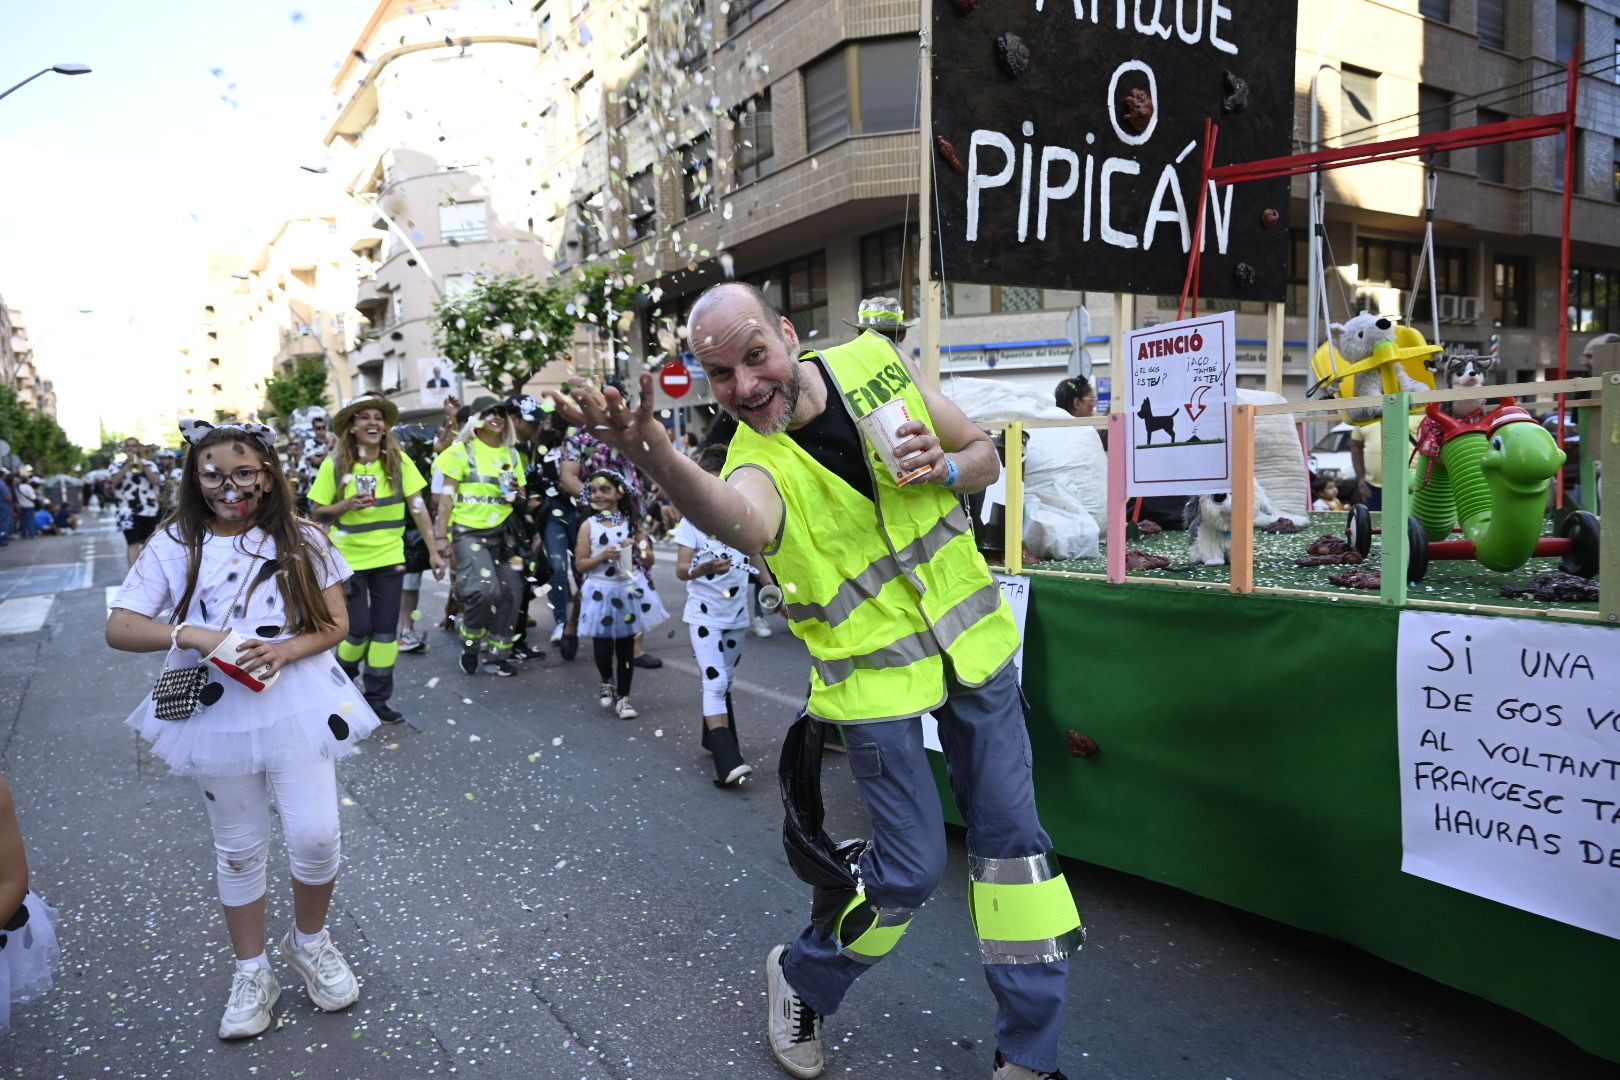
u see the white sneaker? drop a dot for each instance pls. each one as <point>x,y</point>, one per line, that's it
<point>605,695</point>
<point>326,974</point>
<point>795,1028</point>
<point>761,626</point>
<point>557,633</point>
<point>625,710</point>
<point>253,998</point>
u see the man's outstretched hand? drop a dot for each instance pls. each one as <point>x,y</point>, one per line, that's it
<point>635,433</point>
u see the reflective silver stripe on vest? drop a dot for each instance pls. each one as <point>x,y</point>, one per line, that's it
<point>1025,870</point>
<point>969,610</point>
<point>371,526</point>
<point>1039,951</point>
<point>908,650</point>
<point>869,582</point>
<point>460,498</point>
<point>914,647</point>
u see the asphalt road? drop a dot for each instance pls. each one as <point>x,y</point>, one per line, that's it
<point>534,889</point>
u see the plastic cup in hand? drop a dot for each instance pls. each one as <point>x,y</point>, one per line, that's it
<point>365,486</point>
<point>627,560</point>
<point>224,658</point>
<point>879,427</point>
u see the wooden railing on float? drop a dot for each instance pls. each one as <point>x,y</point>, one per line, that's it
<point>1598,425</point>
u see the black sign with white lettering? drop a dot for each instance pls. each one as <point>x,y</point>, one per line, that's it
<point>1069,137</point>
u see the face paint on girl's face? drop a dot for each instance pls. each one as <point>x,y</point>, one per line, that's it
<point>604,496</point>
<point>228,502</point>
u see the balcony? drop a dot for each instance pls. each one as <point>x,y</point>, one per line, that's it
<point>369,356</point>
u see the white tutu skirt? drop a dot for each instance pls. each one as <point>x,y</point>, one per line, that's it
<point>314,709</point>
<point>28,955</point>
<point>614,609</point>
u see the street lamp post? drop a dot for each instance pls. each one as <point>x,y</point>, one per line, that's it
<point>60,69</point>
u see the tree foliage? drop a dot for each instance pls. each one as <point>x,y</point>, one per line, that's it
<point>504,330</point>
<point>35,438</point>
<point>305,386</point>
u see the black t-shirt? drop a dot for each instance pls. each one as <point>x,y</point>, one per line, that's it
<point>833,441</point>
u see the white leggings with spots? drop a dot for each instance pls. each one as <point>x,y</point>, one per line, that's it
<point>717,652</point>
<point>239,811</point>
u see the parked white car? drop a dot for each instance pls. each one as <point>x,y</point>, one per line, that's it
<point>1331,455</point>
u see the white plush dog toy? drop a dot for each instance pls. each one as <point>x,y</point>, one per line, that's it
<point>1209,525</point>
<point>1355,339</point>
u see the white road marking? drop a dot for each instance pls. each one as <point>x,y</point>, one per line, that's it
<point>25,614</point>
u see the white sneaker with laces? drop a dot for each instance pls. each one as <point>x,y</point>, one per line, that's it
<point>253,999</point>
<point>624,709</point>
<point>795,1028</point>
<point>761,626</point>
<point>331,985</point>
<point>605,695</point>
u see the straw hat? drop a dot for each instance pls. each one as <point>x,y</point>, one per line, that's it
<point>390,411</point>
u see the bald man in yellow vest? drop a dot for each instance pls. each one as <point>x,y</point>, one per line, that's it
<point>885,586</point>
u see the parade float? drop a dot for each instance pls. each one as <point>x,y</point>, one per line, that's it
<point>1427,766</point>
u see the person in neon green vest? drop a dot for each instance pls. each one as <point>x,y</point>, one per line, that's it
<point>901,616</point>
<point>365,491</point>
<point>483,477</point>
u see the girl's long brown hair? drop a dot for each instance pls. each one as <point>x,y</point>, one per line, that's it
<point>348,452</point>
<point>294,556</point>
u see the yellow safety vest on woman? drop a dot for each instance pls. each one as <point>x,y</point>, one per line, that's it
<point>879,592</point>
<point>483,499</point>
<point>373,536</point>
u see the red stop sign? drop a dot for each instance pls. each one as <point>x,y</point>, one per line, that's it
<point>675,379</point>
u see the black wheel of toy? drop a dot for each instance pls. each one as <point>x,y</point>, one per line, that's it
<point>1582,529</point>
<point>1358,529</point>
<point>1417,551</point>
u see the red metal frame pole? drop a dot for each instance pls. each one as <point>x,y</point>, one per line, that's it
<point>1195,259</point>
<point>1563,256</point>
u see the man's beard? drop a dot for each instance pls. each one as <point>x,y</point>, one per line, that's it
<point>790,393</point>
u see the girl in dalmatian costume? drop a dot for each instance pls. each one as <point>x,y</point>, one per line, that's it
<point>617,602</point>
<point>236,558</point>
<point>717,577</point>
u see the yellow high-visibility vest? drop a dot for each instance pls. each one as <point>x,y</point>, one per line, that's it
<point>879,592</point>
<point>477,468</point>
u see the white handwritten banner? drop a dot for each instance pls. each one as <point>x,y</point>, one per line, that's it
<point>1180,385</point>
<point>1510,762</point>
<point>1015,587</point>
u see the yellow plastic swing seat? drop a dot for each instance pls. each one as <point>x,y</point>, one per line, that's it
<point>1408,352</point>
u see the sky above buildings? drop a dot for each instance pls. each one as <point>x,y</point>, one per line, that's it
<point>185,138</point>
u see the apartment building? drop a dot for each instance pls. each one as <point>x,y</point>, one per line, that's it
<point>17,367</point>
<point>776,140</point>
<point>301,289</point>
<point>1433,64</point>
<point>437,135</point>
<point>220,375</point>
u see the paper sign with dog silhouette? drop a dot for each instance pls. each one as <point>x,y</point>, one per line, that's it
<point>1179,388</point>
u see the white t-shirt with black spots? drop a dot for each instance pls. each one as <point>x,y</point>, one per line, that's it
<point>158,580</point>
<point>720,601</point>
<point>137,496</point>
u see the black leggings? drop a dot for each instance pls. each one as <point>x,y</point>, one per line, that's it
<point>615,653</point>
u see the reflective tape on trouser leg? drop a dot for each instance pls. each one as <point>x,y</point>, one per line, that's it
<point>1023,910</point>
<point>351,650</point>
<point>867,933</point>
<point>381,654</point>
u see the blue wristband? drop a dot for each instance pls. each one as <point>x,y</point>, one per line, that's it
<point>952,473</point>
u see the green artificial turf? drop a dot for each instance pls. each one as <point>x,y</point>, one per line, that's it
<point>1453,581</point>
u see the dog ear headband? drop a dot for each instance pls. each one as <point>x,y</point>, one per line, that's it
<point>193,429</point>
